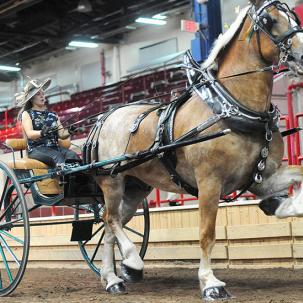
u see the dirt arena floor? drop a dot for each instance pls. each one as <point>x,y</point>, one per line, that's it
<point>163,285</point>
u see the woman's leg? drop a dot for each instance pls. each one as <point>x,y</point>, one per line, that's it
<point>68,154</point>
<point>53,156</point>
<point>48,155</point>
<point>44,155</point>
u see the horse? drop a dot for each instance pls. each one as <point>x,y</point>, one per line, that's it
<point>239,73</point>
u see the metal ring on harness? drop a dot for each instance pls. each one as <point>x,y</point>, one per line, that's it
<point>258,178</point>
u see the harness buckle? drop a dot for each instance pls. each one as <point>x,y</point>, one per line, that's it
<point>268,135</point>
<point>258,178</point>
<point>229,110</point>
<point>261,165</point>
<point>264,152</point>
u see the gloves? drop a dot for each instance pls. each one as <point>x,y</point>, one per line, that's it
<point>47,130</point>
<point>72,129</point>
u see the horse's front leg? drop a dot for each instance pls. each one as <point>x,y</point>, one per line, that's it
<point>274,191</point>
<point>209,195</point>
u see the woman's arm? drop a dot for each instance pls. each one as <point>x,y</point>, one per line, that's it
<point>27,126</point>
<point>62,132</point>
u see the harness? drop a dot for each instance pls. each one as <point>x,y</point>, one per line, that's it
<point>91,145</point>
<point>224,106</point>
<point>238,117</point>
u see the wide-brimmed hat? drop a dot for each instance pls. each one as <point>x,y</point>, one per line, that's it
<point>31,88</point>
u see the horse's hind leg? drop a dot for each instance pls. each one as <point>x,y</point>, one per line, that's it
<point>134,194</point>
<point>209,195</point>
<point>274,191</point>
<point>113,190</point>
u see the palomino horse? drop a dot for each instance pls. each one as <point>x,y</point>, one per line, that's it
<point>265,34</point>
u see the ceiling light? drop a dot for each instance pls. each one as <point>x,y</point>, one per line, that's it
<point>159,17</point>
<point>70,48</point>
<point>130,27</point>
<point>10,68</point>
<point>84,6</point>
<point>150,21</point>
<point>83,44</point>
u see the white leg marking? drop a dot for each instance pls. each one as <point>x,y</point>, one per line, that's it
<point>131,257</point>
<point>291,207</point>
<point>108,276</point>
<point>206,275</point>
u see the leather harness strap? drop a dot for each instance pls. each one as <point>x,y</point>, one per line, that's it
<point>238,117</point>
<point>91,144</point>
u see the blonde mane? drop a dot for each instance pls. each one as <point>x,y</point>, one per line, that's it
<point>225,38</point>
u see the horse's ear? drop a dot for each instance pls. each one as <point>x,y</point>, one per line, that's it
<point>256,3</point>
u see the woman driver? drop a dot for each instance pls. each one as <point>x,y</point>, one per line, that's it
<point>41,127</point>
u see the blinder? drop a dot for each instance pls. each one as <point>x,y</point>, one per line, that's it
<point>262,21</point>
<point>266,21</point>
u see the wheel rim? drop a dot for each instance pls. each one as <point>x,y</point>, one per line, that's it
<point>92,250</point>
<point>14,232</point>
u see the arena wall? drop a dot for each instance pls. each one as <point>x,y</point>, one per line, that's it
<point>245,238</point>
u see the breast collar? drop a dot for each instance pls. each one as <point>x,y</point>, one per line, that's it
<point>239,117</point>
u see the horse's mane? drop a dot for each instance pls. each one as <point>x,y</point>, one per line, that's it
<point>224,39</point>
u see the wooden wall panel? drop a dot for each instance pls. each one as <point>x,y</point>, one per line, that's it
<point>245,238</point>
<point>270,230</point>
<point>242,252</point>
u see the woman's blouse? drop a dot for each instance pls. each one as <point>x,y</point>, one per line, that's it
<point>39,119</point>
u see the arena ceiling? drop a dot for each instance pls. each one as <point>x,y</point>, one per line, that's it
<point>32,28</point>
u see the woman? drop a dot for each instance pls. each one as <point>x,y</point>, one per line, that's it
<point>41,127</point>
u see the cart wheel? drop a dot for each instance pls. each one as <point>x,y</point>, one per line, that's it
<point>14,231</point>
<point>92,250</point>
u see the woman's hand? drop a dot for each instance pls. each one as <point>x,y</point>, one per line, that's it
<point>47,130</point>
<point>72,129</point>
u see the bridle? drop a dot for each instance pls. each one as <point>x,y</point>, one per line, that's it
<point>263,22</point>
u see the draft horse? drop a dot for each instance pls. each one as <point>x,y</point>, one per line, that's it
<point>232,90</point>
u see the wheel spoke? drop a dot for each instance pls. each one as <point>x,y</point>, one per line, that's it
<point>8,271</point>
<point>10,224</point>
<point>84,243</point>
<point>4,191</point>
<point>9,207</point>
<point>133,231</point>
<point>9,250</point>
<point>11,236</point>
<point>97,247</point>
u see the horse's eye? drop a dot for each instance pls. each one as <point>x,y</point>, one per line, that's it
<point>267,21</point>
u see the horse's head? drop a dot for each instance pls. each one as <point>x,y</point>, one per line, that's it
<point>279,35</point>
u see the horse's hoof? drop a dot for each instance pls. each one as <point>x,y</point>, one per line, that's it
<point>215,293</point>
<point>271,204</point>
<point>117,289</point>
<point>131,275</point>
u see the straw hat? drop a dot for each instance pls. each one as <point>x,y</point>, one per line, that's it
<point>31,88</point>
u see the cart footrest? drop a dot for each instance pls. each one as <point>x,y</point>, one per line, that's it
<point>82,230</point>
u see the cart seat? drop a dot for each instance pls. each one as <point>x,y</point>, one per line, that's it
<point>46,186</point>
<point>25,162</point>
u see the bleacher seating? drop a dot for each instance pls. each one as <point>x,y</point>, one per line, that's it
<point>158,83</point>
